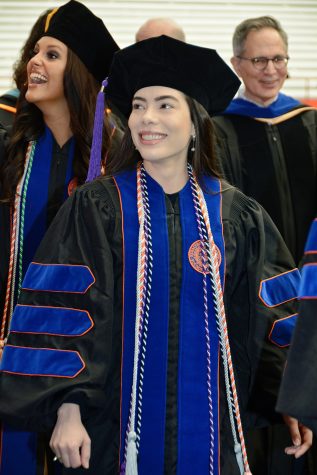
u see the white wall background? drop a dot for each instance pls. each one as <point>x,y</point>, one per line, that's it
<point>206,23</point>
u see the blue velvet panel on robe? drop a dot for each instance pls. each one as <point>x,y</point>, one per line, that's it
<point>280,288</point>
<point>194,431</point>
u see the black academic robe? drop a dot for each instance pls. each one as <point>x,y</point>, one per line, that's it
<point>88,231</point>
<point>58,173</point>
<point>299,386</point>
<point>276,164</point>
<point>55,198</point>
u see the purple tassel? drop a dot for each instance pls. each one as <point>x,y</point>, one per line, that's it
<point>122,469</point>
<point>94,169</point>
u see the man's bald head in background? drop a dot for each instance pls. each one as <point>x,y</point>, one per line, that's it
<point>160,26</point>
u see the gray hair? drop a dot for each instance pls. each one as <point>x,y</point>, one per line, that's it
<point>255,24</point>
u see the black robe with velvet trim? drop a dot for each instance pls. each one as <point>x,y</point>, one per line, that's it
<point>56,198</point>
<point>88,231</point>
<point>299,384</point>
<point>277,166</point>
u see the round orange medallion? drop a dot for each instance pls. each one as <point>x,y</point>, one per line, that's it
<point>72,185</point>
<point>195,257</point>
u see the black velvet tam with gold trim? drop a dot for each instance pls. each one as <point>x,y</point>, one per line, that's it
<point>85,34</point>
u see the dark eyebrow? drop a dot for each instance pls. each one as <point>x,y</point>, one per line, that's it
<point>56,46</point>
<point>159,98</point>
<point>163,98</point>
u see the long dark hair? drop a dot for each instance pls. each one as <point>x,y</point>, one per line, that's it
<point>80,89</point>
<point>203,159</point>
<point>26,52</point>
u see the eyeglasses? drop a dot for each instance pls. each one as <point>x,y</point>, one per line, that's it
<point>260,63</point>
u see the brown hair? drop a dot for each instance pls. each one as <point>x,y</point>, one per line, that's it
<point>80,89</point>
<point>26,53</point>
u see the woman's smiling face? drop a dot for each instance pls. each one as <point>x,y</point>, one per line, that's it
<point>45,72</point>
<point>160,124</point>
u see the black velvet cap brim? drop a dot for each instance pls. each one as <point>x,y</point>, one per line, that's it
<point>163,61</point>
<point>86,35</point>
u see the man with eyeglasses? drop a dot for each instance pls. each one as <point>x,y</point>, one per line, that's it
<point>268,148</point>
<point>268,141</point>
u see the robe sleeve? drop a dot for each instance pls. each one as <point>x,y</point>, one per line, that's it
<point>261,289</point>
<point>63,332</point>
<point>299,385</point>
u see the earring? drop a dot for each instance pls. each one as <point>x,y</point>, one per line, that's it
<point>193,143</point>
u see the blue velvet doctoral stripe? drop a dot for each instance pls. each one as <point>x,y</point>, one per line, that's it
<point>126,184</point>
<point>36,198</point>
<point>193,411</point>
<point>35,221</point>
<point>280,106</point>
<point>308,287</point>
<point>154,386</point>
<point>18,454</point>
<point>311,243</point>
<point>52,320</point>
<point>282,330</point>
<point>193,428</point>
<point>281,288</point>
<point>58,278</point>
<point>41,362</point>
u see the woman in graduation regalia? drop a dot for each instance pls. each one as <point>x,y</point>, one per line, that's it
<point>46,156</point>
<point>152,323</point>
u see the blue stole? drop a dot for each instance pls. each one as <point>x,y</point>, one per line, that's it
<point>246,108</point>
<point>18,454</point>
<point>193,412</point>
<point>37,195</point>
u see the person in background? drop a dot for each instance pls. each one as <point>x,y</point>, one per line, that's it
<point>46,157</point>
<point>268,140</point>
<point>158,27</point>
<point>156,332</point>
<point>8,102</point>
<point>268,148</point>
<point>300,371</point>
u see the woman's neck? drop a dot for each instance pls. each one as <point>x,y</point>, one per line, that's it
<point>172,177</point>
<point>59,124</point>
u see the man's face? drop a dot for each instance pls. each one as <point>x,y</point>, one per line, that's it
<point>262,86</point>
